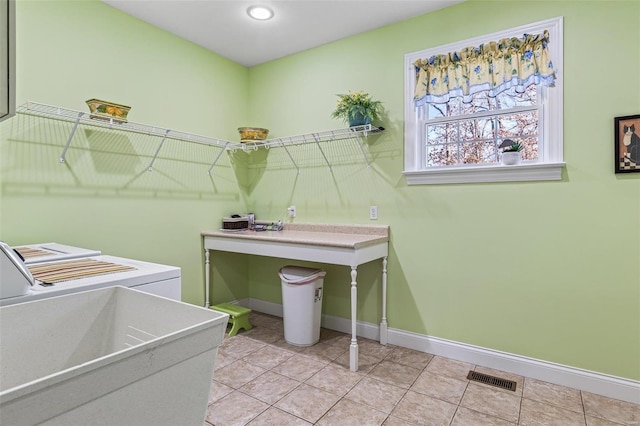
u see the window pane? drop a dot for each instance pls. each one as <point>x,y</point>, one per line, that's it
<point>510,99</point>
<point>478,152</point>
<point>442,133</point>
<point>442,155</point>
<point>483,102</point>
<point>479,128</point>
<point>467,130</point>
<point>519,124</point>
<point>530,149</point>
<point>449,109</point>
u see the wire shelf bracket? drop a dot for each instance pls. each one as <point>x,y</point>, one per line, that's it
<point>63,156</point>
<point>316,137</point>
<point>217,158</point>
<point>290,157</point>
<point>164,138</point>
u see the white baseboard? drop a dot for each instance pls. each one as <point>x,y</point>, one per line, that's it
<point>363,329</point>
<point>263,306</point>
<point>589,381</point>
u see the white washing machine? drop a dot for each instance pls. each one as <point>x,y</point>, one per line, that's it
<point>21,282</point>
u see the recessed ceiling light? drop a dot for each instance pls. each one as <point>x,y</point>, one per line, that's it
<point>260,13</point>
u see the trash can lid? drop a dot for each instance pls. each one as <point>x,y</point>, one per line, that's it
<point>299,274</point>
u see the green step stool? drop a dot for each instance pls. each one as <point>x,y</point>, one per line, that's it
<point>238,316</point>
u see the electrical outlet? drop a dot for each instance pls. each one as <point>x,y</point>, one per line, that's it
<point>373,212</point>
<point>291,211</point>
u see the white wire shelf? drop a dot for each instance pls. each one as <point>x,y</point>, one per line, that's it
<point>87,119</point>
<point>355,133</point>
<point>324,136</point>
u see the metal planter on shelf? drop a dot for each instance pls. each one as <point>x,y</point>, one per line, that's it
<point>108,110</point>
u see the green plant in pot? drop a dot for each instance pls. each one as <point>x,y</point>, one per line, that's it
<point>357,108</point>
<point>511,152</point>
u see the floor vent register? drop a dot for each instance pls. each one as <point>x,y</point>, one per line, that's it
<point>474,376</point>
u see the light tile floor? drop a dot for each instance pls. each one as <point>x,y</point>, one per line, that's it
<point>261,380</point>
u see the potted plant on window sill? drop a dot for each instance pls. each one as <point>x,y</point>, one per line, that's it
<point>511,152</point>
<point>357,108</point>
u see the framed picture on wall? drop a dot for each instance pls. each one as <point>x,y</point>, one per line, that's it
<point>627,143</point>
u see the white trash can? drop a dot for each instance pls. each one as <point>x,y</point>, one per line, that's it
<point>301,304</point>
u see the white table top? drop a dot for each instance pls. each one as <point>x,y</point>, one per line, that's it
<point>338,244</point>
<point>348,236</point>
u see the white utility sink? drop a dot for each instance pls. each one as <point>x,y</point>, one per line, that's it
<point>113,356</point>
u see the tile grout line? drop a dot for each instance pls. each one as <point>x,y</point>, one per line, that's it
<point>584,410</point>
<point>520,405</point>
<point>460,401</point>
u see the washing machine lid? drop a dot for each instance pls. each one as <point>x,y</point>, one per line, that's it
<point>49,252</point>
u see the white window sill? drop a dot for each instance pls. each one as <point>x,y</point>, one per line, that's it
<point>492,173</point>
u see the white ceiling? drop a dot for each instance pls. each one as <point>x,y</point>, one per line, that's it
<point>224,27</point>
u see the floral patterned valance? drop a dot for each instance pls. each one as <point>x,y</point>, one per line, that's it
<point>494,66</point>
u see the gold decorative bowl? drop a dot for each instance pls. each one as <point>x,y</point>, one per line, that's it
<point>108,110</point>
<point>252,134</point>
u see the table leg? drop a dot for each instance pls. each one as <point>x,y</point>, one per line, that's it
<point>383,322</point>
<point>353,349</point>
<point>207,279</point>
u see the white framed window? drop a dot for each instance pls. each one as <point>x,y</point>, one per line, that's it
<point>456,137</point>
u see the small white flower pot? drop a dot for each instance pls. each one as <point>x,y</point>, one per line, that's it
<point>511,158</point>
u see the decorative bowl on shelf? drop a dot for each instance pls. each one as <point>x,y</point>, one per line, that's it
<point>252,134</point>
<point>108,110</point>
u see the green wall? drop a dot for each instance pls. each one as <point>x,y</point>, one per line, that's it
<point>103,197</point>
<point>549,270</point>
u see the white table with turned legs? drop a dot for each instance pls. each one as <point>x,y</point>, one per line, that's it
<point>348,245</point>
